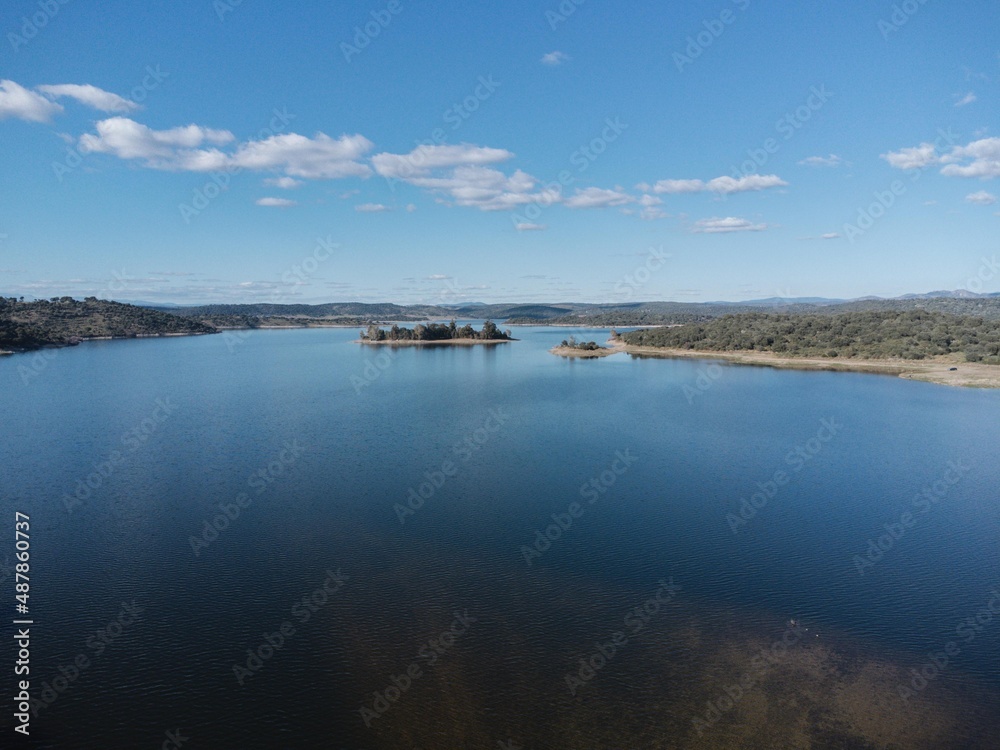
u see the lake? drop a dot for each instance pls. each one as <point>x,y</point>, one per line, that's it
<point>283,539</point>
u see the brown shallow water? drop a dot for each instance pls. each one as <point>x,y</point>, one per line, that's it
<point>504,679</point>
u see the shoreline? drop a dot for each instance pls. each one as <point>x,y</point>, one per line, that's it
<point>968,374</point>
<point>937,371</point>
<point>84,339</point>
<point>571,352</point>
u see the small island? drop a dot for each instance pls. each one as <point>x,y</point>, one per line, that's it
<point>582,349</point>
<point>435,334</point>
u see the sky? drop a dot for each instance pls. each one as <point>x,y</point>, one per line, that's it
<point>406,151</point>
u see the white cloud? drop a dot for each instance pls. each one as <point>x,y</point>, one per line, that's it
<point>650,200</point>
<point>983,157</point>
<point>726,185</point>
<point>91,96</point>
<point>275,202</point>
<point>529,227</point>
<point>830,236</point>
<point>319,157</point>
<point>555,58</point>
<point>285,183</point>
<point>423,159</point>
<point>651,213</point>
<point>410,208</point>
<point>487,189</point>
<point>967,99</point>
<point>822,161</point>
<point>17,101</point>
<point>372,208</point>
<point>678,186</point>
<point>728,224</point>
<point>722,185</point>
<point>982,198</point>
<point>163,149</point>
<point>917,157</point>
<point>594,197</point>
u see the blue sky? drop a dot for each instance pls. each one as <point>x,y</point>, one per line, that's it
<point>410,151</point>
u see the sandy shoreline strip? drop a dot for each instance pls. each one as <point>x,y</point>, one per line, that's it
<point>572,352</point>
<point>967,374</point>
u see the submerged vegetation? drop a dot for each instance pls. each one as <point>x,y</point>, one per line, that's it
<point>911,334</point>
<point>436,332</point>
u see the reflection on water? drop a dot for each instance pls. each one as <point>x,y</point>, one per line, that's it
<point>651,621</point>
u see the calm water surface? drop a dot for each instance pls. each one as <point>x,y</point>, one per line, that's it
<point>321,441</point>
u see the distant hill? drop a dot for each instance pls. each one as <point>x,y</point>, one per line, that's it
<point>64,320</point>
<point>359,310</point>
<point>629,314</point>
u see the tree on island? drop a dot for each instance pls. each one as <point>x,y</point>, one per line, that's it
<point>436,332</point>
<point>587,346</point>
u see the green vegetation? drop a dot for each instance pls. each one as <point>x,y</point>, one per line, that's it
<point>64,320</point>
<point>584,346</point>
<point>909,334</point>
<point>571,313</point>
<point>354,313</point>
<point>683,313</point>
<point>436,332</point>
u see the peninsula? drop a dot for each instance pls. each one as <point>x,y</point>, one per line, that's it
<point>435,334</point>
<point>915,344</point>
<point>64,321</point>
